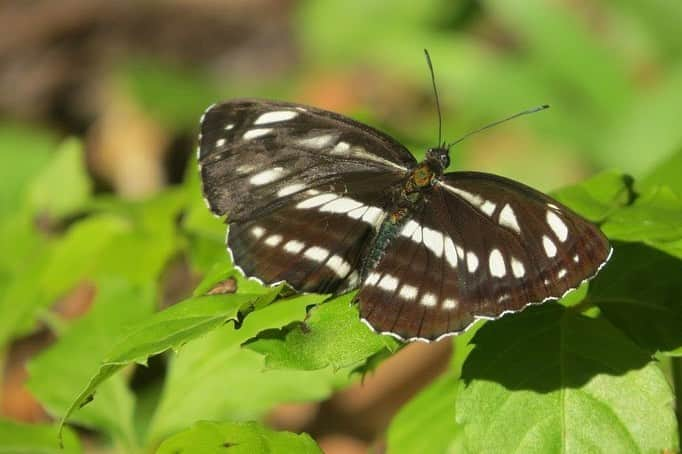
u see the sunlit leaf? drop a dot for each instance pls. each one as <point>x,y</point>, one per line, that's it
<point>63,186</point>
<point>169,329</point>
<point>217,365</point>
<point>549,379</point>
<point>35,439</point>
<point>63,370</point>
<point>238,438</point>
<point>332,335</point>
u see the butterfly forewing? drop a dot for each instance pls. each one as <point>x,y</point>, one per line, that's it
<point>483,246</point>
<point>303,189</point>
<point>256,154</point>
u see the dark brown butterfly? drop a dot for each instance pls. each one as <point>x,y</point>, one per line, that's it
<point>330,205</point>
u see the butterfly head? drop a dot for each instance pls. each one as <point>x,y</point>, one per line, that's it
<point>438,159</point>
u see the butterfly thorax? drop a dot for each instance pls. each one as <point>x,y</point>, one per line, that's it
<point>406,202</point>
<point>423,176</point>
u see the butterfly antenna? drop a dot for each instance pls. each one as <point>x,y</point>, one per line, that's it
<point>435,92</point>
<point>495,123</point>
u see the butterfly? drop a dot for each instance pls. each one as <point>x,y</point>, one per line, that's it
<point>330,205</point>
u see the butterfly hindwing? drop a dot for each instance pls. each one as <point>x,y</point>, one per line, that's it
<point>317,241</point>
<point>482,246</point>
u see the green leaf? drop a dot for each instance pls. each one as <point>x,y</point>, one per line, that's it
<point>667,173</point>
<point>238,438</point>
<point>20,267</point>
<point>654,219</point>
<point>218,363</point>
<point>648,130</point>
<point>165,330</point>
<point>599,196</point>
<point>118,235</point>
<point>63,186</point>
<point>332,335</point>
<point>427,422</point>
<point>639,292</point>
<point>25,151</point>
<point>63,370</point>
<point>17,438</point>
<point>79,252</point>
<point>548,379</point>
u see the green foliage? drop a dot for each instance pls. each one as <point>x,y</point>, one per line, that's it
<point>35,439</point>
<point>66,171</point>
<point>549,379</point>
<point>219,363</point>
<point>239,438</point>
<point>55,381</point>
<point>331,335</point>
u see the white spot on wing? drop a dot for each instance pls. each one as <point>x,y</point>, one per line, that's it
<point>408,292</point>
<point>409,228</point>
<point>341,205</point>
<point>417,234</point>
<point>353,280</point>
<point>341,148</point>
<point>576,259</point>
<point>557,225</point>
<point>337,264</point>
<point>488,207</point>
<point>361,153</point>
<point>550,247</point>
<point>388,283</point>
<point>316,141</point>
<point>316,253</point>
<point>316,200</point>
<point>372,278</point>
<point>291,189</point>
<point>267,176</point>
<point>229,126</point>
<point>449,304</point>
<point>562,272</point>
<point>293,246</point>
<point>473,199</point>
<point>460,251</point>
<point>517,268</point>
<point>472,262</point>
<point>450,252</point>
<point>220,142</point>
<point>373,215</point>
<point>428,300</point>
<point>358,212</point>
<point>273,240</point>
<point>433,240</point>
<point>496,264</point>
<point>278,115</point>
<point>256,132</point>
<point>245,168</point>
<point>257,231</point>
<point>507,218</point>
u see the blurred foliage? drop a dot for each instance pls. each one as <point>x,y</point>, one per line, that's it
<point>572,376</point>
